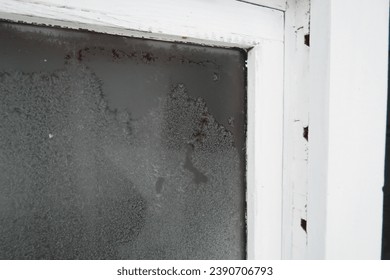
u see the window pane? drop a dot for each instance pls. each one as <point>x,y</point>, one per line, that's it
<point>119,148</point>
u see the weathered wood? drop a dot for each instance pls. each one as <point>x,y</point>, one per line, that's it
<point>224,22</point>
<point>275,4</point>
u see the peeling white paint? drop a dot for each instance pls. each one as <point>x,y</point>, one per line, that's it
<point>226,22</point>
<point>296,118</point>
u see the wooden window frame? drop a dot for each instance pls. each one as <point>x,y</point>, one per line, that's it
<point>258,26</point>
<point>295,200</point>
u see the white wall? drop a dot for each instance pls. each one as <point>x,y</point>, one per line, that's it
<point>347,128</point>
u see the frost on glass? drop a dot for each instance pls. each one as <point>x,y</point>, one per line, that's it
<point>119,148</point>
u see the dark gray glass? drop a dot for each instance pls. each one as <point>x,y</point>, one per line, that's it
<point>119,148</point>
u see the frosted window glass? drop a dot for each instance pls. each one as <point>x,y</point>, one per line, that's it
<point>119,148</point>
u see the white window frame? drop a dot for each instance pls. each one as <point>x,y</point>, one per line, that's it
<point>256,25</point>
<point>334,189</point>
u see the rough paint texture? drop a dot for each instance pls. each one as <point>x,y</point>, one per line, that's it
<point>104,154</point>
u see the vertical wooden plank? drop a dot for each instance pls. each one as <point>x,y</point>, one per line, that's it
<point>265,141</point>
<point>348,122</point>
<point>296,130</point>
<point>319,103</point>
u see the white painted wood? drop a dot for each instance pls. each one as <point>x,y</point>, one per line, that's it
<point>224,22</point>
<point>265,157</point>
<point>319,115</point>
<point>296,118</point>
<point>347,128</point>
<point>275,4</point>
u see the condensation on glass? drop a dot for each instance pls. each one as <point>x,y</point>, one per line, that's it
<point>119,148</point>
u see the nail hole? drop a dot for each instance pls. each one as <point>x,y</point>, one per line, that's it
<point>306,133</point>
<point>303,224</point>
<point>307,40</point>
